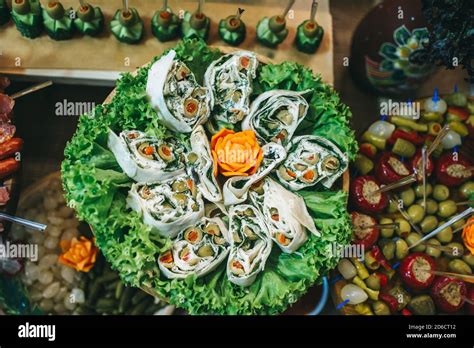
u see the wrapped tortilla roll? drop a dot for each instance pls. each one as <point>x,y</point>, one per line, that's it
<point>198,249</point>
<point>229,79</point>
<point>275,115</point>
<point>179,101</point>
<point>203,166</point>
<point>311,159</point>
<point>236,188</point>
<point>147,159</point>
<point>285,214</point>
<point>250,244</point>
<point>167,206</point>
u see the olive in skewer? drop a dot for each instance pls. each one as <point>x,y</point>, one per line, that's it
<point>196,25</point>
<point>309,33</point>
<point>57,21</point>
<point>27,17</point>
<point>127,26</point>
<point>165,25</point>
<point>232,29</point>
<point>90,20</point>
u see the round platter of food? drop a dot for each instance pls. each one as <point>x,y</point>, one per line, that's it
<point>214,180</point>
<point>418,236</point>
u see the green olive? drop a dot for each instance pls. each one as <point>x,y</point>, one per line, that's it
<point>431,206</point>
<point>459,266</point>
<point>373,282</point>
<point>419,190</point>
<point>447,208</point>
<point>433,251</point>
<point>404,227</point>
<point>416,212</point>
<point>212,229</point>
<point>466,190</point>
<point>429,223</point>
<point>446,235</point>
<point>370,261</point>
<point>179,186</point>
<point>441,192</point>
<point>412,238</point>
<point>457,250</point>
<point>388,248</point>
<point>458,224</point>
<point>469,259</point>
<point>386,232</point>
<point>392,207</point>
<point>401,249</point>
<point>408,197</point>
<point>380,308</point>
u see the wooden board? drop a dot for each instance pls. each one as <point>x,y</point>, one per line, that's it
<point>75,57</point>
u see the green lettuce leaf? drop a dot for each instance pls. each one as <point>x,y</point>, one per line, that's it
<point>96,187</point>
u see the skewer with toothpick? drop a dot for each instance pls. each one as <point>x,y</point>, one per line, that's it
<point>309,34</point>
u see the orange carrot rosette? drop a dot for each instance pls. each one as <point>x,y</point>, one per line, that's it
<point>236,154</point>
<point>79,254</point>
<point>468,235</point>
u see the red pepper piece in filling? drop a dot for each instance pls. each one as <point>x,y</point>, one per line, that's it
<point>362,197</point>
<point>452,169</point>
<point>390,169</point>
<point>390,301</point>
<point>415,270</point>
<point>368,150</point>
<point>449,294</point>
<point>416,165</point>
<point>412,137</point>
<point>377,254</point>
<point>364,236</point>
<point>383,279</point>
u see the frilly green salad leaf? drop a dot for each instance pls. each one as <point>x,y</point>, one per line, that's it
<point>96,187</point>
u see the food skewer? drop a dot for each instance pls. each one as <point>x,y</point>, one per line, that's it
<point>31,89</point>
<point>423,175</point>
<point>196,25</point>
<point>165,24</point>
<point>405,215</point>
<point>272,31</point>
<point>463,227</point>
<point>453,220</point>
<point>442,133</point>
<point>468,300</point>
<point>127,26</point>
<point>394,225</point>
<point>464,277</point>
<point>309,33</point>
<point>90,19</point>
<point>405,181</point>
<point>232,29</point>
<point>465,202</point>
<point>23,222</point>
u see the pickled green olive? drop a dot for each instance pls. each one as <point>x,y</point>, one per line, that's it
<point>447,208</point>
<point>429,223</point>
<point>412,238</point>
<point>459,224</point>
<point>457,250</point>
<point>469,259</point>
<point>401,249</point>
<point>392,207</point>
<point>388,248</point>
<point>373,282</point>
<point>431,206</point>
<point>370,261</point>
<point>416,212</point>
<point>459,266</point>
<point>446,235</point>
<point>433,251</point>
<point>381,308</point>
<point>404,227</point>
<point>419,190</point>
<point>440,192</point>
<point>408,197</point>
<point>386,232</point>
<point>466,190</point>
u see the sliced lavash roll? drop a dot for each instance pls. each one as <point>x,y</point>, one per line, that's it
<point>285,214</point>
<point>167,206</point>
<point>179,101</point>
<point>236,188</point>
<point>275,115</point>
<point>229,79</point>
<point>197,250</point>
<point>311,159</point>
<point>202,166</point>
<point>147,159</point>
<point>250,244</point>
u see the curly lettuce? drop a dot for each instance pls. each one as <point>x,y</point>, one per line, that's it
<point>96,188</point>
